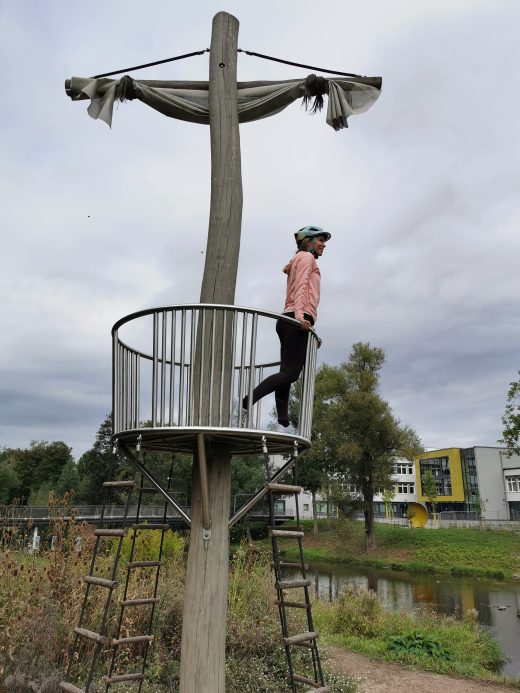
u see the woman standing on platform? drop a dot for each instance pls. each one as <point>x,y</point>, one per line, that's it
<point>301,303</point>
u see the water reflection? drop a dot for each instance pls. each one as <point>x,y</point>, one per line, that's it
<point>497,603</point>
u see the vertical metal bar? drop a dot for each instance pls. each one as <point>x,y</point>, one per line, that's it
<point>201,448</point>
<point>241,378</point>
<point>180,413</point>
<point>115,384</point>
<point>259,404</point>
<point>232,384</point>
<point>155,337</point>
<point>252,371</point>
<point>199,421</point>
<point>312,368</point>
<point>138,386</point>
<point>172,366</point>
<point>125,390</point>
<point>163,365</point>
<point>212,367</point>
<point>131,390</point>
<point>222,363</point>
<point>304,390</point>
<point>190,402</point>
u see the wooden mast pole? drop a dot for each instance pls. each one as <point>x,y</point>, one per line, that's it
<point>205,598</point>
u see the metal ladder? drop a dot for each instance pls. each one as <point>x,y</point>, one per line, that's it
<point>98,633</point>
<point>309,638</point>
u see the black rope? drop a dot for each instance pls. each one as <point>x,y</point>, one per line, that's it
<point>239,50</point>
<point>289,62</point>
<point>157,62</point>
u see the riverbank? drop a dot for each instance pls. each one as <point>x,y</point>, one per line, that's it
<point>387,677</point>
<point>459,552</point>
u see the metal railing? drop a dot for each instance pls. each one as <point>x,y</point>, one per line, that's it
<point>190,366</point>
<point>92,513</point>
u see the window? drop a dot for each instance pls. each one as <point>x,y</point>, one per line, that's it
<point>405,488</point>
<point>306,507</point>
<point>513,483</point>
<point>403,468</point>
<point>440,468</point>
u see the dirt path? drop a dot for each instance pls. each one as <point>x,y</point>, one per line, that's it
<point>384,677</point>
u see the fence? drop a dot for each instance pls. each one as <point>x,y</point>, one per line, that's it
<point>183,369</point>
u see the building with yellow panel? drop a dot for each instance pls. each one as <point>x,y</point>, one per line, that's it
<point>446,468</point>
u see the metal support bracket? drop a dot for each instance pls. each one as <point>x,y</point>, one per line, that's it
<point>206,536</point>
<point>203,470</point>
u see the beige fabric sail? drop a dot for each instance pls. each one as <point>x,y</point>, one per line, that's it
<point>189,100</point>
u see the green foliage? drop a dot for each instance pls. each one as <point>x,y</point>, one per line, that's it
<point>147,545</point>
<point>416,643</point>
<point>93,465</point>
<point>359,432</point>
<point>511,419</point>
<point>9,481</point>
<point>493,553</point>
<point>247,474</point>
<point>37,467</point>
<point>429,487</point>
<point>357,612</point>
<point>423,639</point>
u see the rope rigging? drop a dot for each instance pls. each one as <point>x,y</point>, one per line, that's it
<point>239,50</point>
<point>289,62</point>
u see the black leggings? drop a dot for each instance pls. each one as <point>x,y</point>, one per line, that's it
<point>293,347</point>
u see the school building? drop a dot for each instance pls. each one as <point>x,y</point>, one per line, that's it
<point>473,482</point>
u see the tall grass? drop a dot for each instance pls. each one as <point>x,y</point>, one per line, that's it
<point>490,553</point>
<point>358,621</point>
<point>41,597</point>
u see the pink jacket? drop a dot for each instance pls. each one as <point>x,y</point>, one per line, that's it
<point>303,286</point>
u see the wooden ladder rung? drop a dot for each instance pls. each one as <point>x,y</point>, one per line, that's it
<point>70,688</point>
<point>144,564</point>
<point>296,605</point>
<point>285,533</point>
<point>100,582</point>
<point>284,488</point>
<point>124,677</point>
<point>288,564</point>
<point>119,484</point>
<point>301,638</point>
<point>305,679</point>
<point>290,584</point>
<point>138,602</point>
<point>109,532</point>
<point>150,525</point>
<point>321,689</point>
<point>134,638</point>
<point>84,633</point>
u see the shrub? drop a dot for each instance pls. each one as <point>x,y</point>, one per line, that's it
<point>357,612</point>
<point>416,643</point>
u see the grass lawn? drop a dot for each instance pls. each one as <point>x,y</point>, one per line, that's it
<point>490,553</point>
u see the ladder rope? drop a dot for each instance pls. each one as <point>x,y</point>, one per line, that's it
<point>309,638</point>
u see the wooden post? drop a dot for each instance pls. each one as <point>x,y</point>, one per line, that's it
<point>205,598</point>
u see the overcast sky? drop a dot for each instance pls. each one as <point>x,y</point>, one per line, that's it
<point>421,195</point>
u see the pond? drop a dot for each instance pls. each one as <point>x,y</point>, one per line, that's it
<point>497,601</point>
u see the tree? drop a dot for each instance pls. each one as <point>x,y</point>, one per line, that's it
<point>35,467</point>
<point>360,430</point>
<point>511,419</point>
<point>68,480</point>
<point>388,497</point>
<point>312,474</point>
<point>9,481</point>
<point>430,491</point>
<point>94,464</point>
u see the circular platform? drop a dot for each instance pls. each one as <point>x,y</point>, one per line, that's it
<point>241,441</point>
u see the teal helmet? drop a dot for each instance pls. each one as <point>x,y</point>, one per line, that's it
<point>311,232</point>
